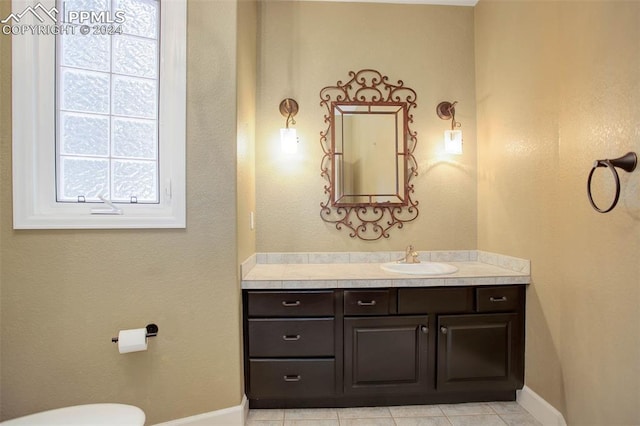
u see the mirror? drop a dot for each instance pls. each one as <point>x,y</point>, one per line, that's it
<point>368,158</point>
<point>369,146</point>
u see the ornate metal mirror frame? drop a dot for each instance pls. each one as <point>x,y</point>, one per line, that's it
<point>368,209</point>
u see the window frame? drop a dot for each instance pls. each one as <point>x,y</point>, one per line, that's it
<point>34,153</point>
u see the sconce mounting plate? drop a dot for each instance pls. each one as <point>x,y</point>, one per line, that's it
<point>445,110</point>
<point>288,107</point>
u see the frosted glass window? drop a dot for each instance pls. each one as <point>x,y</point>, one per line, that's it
<point>131,138</point>
<point>84,134</point>
<point>135,56</point>
<point>107,96</point>
<point>69,145</point>
<point>84,5</point>
<point>84,91</point>
<point>86,51</point>
<point>134,97</point>
<point>141,17</point>
<point>86,178</point>
<point>134,179</point>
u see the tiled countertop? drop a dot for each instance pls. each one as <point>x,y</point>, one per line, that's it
<point>362,270</point>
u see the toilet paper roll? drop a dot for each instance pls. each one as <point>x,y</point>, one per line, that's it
<point>132,340</point>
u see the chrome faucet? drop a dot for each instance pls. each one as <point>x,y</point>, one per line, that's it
<point>411,256</point>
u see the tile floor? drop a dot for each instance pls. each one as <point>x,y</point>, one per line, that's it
<point>471,414</point>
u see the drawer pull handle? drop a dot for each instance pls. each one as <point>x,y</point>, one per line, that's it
<point>424,329</point>
<point>444,330</point>
<point>369,303</point>
<point>290,304</point>
<point>498,299</point>
<point>291,337</point>
<point>292,378</point>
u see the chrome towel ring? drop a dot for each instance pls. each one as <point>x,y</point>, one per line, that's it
<point>627,163</point>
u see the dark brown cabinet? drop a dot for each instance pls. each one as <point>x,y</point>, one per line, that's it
<point>290,345</point>
<point>354,347</point>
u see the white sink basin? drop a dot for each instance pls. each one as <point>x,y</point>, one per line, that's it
<point>423,268</point>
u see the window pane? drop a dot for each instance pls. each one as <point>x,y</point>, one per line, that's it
<point>83,134</point>
<point>108,100</point>
<point>83,5</point>
<point>134,179</point>
<point>86,51</point>
<point>85,91</point>
<point>134,138</point>
<point>141,17</point>
<point>135,56</point>
<point>88,177</point>
<point>134,97</point>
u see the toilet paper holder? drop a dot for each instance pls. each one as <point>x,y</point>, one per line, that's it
<point>152,331</point>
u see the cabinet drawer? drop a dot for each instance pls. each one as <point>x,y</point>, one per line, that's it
<point>430,300</point>
<point>291,337</point>
<point>292,378</point>
<point>290,304</point>
<point>497,299</point>
<point>366,302</point>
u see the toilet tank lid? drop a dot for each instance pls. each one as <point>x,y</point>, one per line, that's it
<point>88,414</point>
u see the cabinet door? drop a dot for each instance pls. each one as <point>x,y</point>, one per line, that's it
<point>385,355</point>
<point>479,352</point>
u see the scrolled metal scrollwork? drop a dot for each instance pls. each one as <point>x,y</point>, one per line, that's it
<point>370,220</point>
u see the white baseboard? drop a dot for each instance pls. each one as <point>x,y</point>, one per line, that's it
<point>232,416</point>
<point>544,412</point>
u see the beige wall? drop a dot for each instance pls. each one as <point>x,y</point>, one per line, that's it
<point>246,163</point>
<point>66,293</point>
<point>558,86</point>
<point>246,118</point>
<point>305,46</point>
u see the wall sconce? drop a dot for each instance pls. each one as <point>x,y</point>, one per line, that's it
<point>453,137</point>
<point>288,136</point>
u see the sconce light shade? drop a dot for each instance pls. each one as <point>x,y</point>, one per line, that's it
<point>288,135</point>
<point>288,140</point>
<point>452,138</point>
<point>453,141</point>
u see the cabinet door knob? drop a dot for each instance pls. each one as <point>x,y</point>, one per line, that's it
<point>498,299</point>
<point>424,329</point>
<point>289,304</point>
<point>292,378</point>
<point>291,337</point>
<point>369,303</point>
<point>443,330</point>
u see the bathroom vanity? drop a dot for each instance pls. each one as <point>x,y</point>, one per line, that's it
<point>354,342</point>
